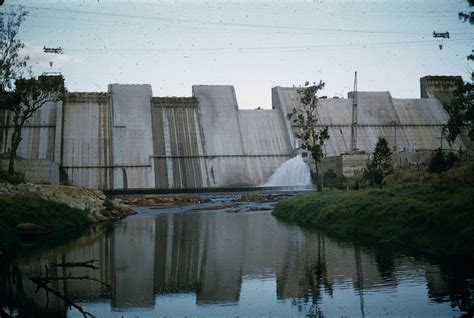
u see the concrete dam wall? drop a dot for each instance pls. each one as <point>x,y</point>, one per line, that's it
<point>206,141</point>
<point>409,125</point>
<point>126,138</point>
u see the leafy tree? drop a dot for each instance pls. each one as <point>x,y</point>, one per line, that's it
<point>461,112</point>
<point>29,96</point>
<point>381,164</point>
<point>20,96</point>
<point>467,15</point>
<point>461,109</point>
<point>304,120</point>
<point>12,64</point>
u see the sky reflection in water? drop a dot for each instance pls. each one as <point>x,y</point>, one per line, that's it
<point>239,264</point>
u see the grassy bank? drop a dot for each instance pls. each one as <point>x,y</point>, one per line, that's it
<point>33,209</point>
<point>435,218</point>
<point>66,223</point>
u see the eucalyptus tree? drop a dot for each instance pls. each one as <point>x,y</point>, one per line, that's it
<point>304,120</point>
<point>461,109</point>
<point>29,96</point>
<point>21,94</point>
<point>13,64</point>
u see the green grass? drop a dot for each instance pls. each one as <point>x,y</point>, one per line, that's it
<point>434,218</point>
<point>31,208</point>
<point>66,223</point>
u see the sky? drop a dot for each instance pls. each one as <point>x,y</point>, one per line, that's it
<point>252,45</point>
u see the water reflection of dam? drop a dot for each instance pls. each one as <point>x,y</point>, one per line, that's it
<point>209,254</point>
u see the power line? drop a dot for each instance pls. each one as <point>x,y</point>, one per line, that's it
<point>199,30</point>
<point>246,25</point>
<point>360,12</point>
<point>264,49</point>
<point>258,12</point>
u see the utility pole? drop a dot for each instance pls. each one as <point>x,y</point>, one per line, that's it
<point>58,50</point>
<point>354,116</point>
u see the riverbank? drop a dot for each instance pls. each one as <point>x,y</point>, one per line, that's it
<point>430,217</point>
<point>32,208</point>
<point>56,208</point>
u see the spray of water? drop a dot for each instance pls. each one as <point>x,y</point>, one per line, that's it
<point>294,172</point>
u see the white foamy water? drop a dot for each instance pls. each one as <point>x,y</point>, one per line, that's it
<point>294,172</point>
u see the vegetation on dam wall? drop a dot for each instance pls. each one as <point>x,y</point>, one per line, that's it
<point>434,215</point>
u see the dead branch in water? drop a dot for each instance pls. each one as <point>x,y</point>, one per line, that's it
<point>47,280</point>
<point>87,264</point>
<point>41,284</point>
<point>4,314</point>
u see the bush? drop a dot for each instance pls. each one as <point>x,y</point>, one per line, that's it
<point>381,164</point>
<point>441,162</point>
<point>17,178</point>
<point>108,205</point>
<point>374,174</point>
<point>355,182</point>
<point>407,175</point>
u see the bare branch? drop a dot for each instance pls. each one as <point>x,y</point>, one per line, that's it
<point>4,314</point>
<point>47,280</point>
<point>87,264</point>
<point>39,282</point>
<point>47,299</point>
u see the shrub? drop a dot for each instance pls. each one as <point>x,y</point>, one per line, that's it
<point>406,175</point>
<point>381,164</point>
<point>108,204</point>
<point>17,178</point>
<point>441,162</point>
<point>355,182</point>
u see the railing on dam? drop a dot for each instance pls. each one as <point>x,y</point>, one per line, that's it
<point>156,191</point>
<point>222,156</point>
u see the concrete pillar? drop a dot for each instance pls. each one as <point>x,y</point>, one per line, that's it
<point>58,135</point>
<point>132,135</point>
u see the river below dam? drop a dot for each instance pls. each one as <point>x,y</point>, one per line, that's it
<point>229,259</point>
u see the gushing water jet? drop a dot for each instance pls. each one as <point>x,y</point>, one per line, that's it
<point>294,172</point>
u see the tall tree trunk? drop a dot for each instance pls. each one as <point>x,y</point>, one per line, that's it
<point>15,142</point>
<point>319,179</point>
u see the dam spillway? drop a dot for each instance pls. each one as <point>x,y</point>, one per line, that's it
<point>128,139</point>
<point>293,173</point>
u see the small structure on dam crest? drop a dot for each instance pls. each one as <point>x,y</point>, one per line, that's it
<point>126,138</point>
